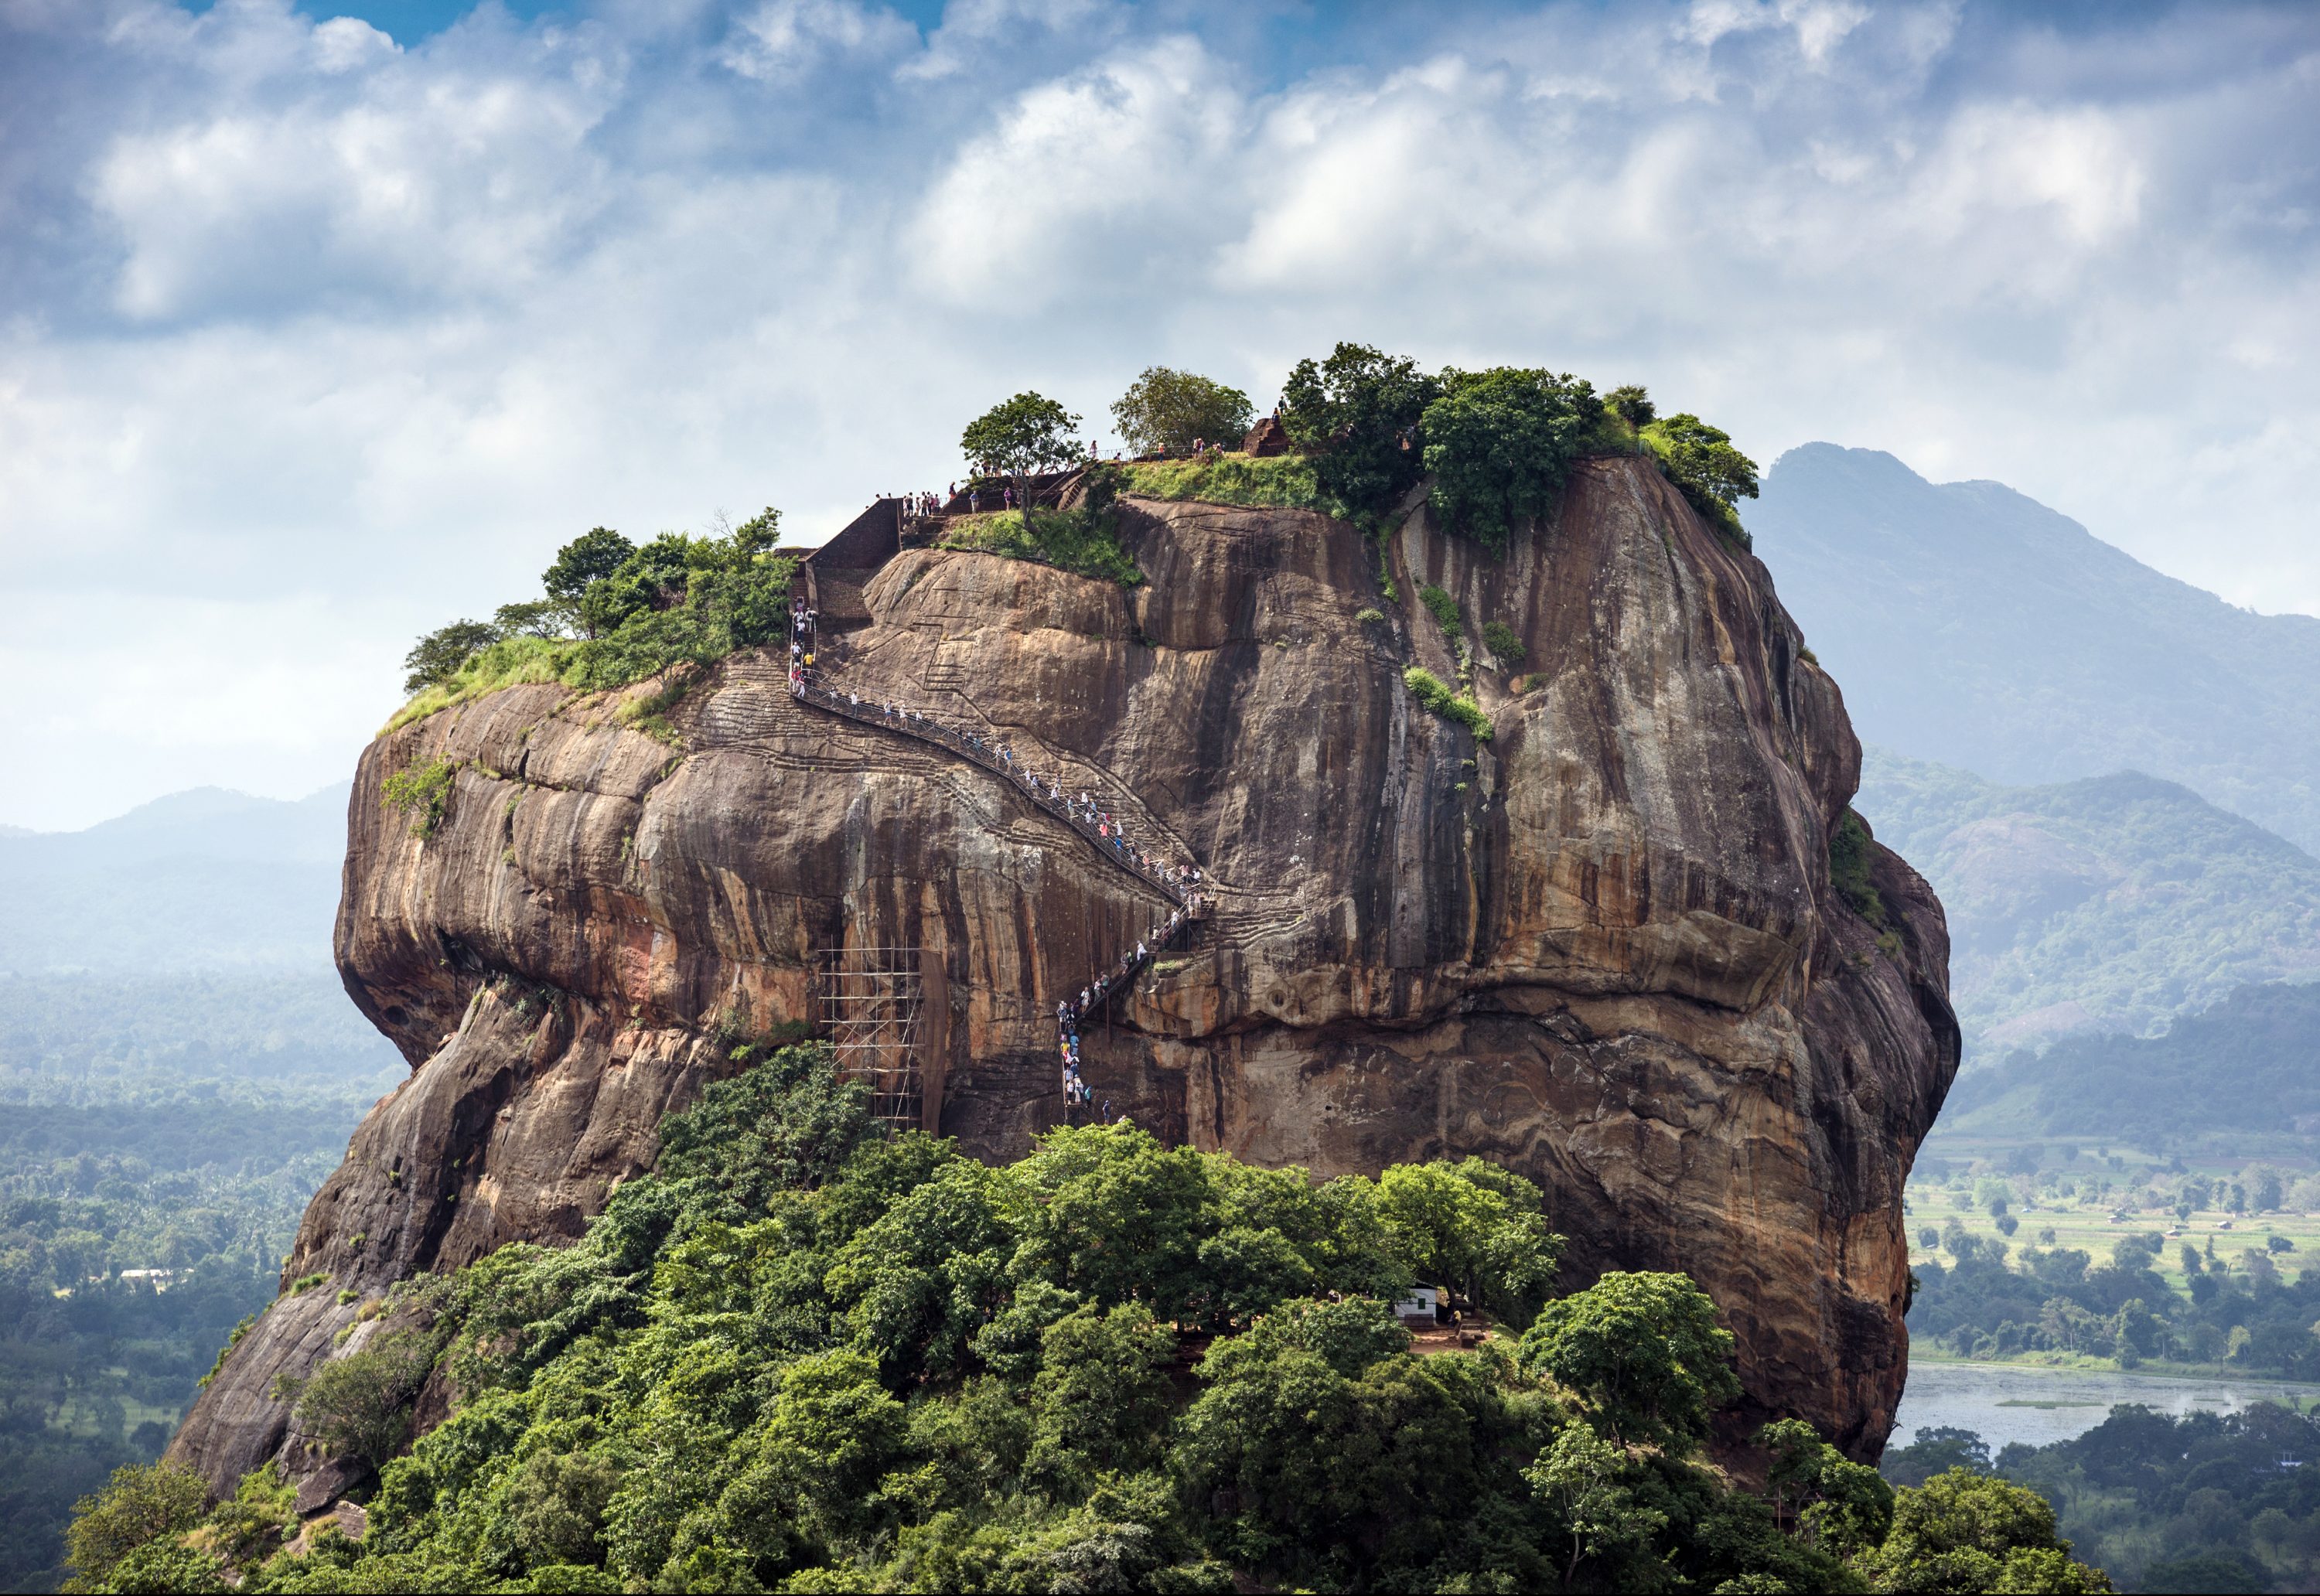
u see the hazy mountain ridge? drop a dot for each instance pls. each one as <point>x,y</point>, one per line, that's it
<point>2242,1069</point>
<point>2114,904</point>
<point>1973,626</point>
<point>201,880</point>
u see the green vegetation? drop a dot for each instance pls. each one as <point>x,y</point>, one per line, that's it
<point>1358,411</point>
<point>103,1172</point>
<point>1370,615</point>
<point>2118,903</point>
<point>2206,1501</point>
<point>358,1405</point>
<point>1848,869</point>
<point>1701,462</point>
<point>1028,433</point>
<point>1445,611</point>
<point>595,556</point>
<point>2204,1268</point>
<point>806,1356</point>
<point>1166,412</point>
<point>509,662</point>
<point>1084,541</point>
<point>444,650</point>
<point>1505,646</point>
<point>676,601</point>
<point>1286,481</point>
<point>1633,406</point>
<point>1436,697</point>
<point>422,791</point>
<point>1499,443</point>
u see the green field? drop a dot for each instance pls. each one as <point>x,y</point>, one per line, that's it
<point>2076,1193</point>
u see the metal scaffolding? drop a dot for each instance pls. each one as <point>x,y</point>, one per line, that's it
<point>870,1000</point>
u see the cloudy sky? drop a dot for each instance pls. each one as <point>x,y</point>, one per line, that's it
<point>321,325</point>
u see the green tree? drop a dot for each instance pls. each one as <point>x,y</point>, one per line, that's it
<point>534,617</point>
<point>1645,1352</point>
<point>359,1403</point>
<point>1028,433</point>
<point>1962,1531</point>
<point>436,657</point>
<point>1472,1227</point>
<point>1632,405</point>
<point>1360,410</point>
<point>1101,1399</point>
<point>590,557</point>
<point>555,1506</point>
<point>1505,644</point>
<point>1844,1506</point>
<point>1701,462</point>
<point>1499,443</point>
<point>1583,1478</point>
<point>140,1504</point>
<point>1166,412</point>
<point>169,1567</point>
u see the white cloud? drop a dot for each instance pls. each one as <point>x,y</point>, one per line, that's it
<point>781,41</point>
<point>312,343</point>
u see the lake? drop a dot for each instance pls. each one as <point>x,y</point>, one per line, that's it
<point>2006,1402</point>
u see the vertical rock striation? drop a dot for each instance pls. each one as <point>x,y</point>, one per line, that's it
<point>1601,948</point>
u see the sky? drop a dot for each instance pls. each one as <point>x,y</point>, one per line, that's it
<point>324,325</point>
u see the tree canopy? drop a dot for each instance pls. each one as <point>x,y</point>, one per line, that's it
<point>1360,409</point>
<point>1701,462</point>
<point>1499,443</point>
<point>1029,432</point>
<point>807,1356</point>
<point>1166,412</point>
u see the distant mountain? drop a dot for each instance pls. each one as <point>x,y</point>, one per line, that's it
<point>201,880</point>
<point>2111,904</point>
<point>2241,1071</point>
<point>1975,627</point>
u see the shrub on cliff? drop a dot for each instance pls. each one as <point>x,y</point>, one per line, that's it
<point>1166,412</point>
<point>1083,541</point>
<point>1439,698</point>
<point>676,600</point>
<point>1701,462</point>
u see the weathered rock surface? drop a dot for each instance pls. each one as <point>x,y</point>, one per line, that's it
<point>1602,948</point>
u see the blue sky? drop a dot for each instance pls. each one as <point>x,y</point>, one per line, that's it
<point>323,325</point>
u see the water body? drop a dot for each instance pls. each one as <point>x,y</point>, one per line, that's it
<point>2006,1402</point>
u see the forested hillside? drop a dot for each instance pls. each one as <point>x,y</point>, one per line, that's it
<point>805,1355</point>
<point>2207,1502</point>
<point>2114,904</point>
<point>2242,1072</point>
<point>179,1067</point>
<point>1976,627</point>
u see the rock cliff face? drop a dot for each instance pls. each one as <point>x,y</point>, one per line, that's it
<point>1602,948</point>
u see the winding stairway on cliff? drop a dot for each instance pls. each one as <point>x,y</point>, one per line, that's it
<point>871,997</point>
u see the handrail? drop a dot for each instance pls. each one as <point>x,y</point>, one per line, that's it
<point>1191,902</point>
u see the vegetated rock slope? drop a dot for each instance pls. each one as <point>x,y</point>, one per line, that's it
<point>1978,628</point>
<point>2114,904</point>
<point>1602,948</point>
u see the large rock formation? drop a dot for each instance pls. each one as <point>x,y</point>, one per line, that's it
<point>1602,948</point>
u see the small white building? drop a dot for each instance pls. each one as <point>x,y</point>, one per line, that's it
<point>1420,1305</point>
